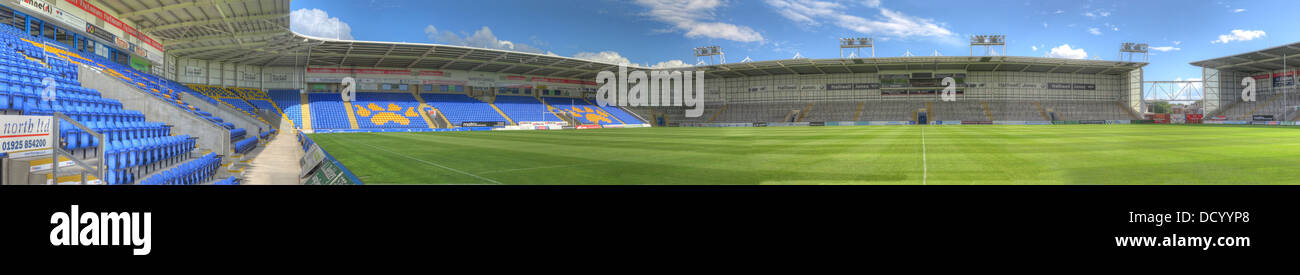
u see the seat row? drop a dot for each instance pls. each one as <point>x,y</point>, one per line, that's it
<point>192,172</point>
<point>245,145</point>
<point>114,131</point>
<point>144,151</point>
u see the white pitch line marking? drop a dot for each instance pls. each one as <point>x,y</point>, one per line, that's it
<point>925,163</point>
<point>432,163</point>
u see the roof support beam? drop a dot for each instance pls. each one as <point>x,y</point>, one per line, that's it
<point>381,59</point>
<point>499,57</point>
<point>212,22</point>
<point>426,54</point>
<point>181,52</point>
<point>219,37</point>
<point>194,4</point>
<point>444,66</point>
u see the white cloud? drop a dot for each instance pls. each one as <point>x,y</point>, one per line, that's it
<point>1094,31</point>
<point>1111,27</point>
<point>1065,51</point>
<point>613,57</point>
<point>1034,47</point>
<point>482,38</point>
<point>872,3</point>
<point>1044,25</point>
<point>888,23</point>
<point>670,64</point>
<point>696,18</point>
<point>1176,43</point>
<point>1239,35</point>
<point>1096,13</point>
<point>610,57</point>
<point>1058,12</point>
<point>318,23</point>
<point>1238,10</point>
<point>1166,49</point>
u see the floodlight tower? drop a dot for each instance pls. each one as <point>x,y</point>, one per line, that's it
<point>989,42</point>
<point>1131,50</point>
<point>710,51</point>
<point>857,44</point>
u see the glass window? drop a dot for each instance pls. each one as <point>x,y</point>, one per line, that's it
<point>50,31</point>
<point>36,28</point>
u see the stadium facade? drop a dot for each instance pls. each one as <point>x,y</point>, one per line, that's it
<point>988,88</point>
<point>230,75</point>
<point>1271,70</point>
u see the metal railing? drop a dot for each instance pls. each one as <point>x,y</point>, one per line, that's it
<point>99,170</point>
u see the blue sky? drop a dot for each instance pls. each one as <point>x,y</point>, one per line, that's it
<point>662,32</point>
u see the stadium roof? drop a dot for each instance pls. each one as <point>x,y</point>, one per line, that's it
<point>256,32</point>
<point>348,53</point>
<point>207,29</point>
<point>1265,60</point>
<point>918,63</point>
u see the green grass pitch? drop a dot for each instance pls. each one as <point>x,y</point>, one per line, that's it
<point>894,155</point>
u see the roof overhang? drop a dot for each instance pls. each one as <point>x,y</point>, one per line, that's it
<point>1260,61</point>
<point>206,29</point>
<point>256,32</point>
<point>922,63</point>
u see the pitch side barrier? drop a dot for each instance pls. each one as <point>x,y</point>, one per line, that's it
<point>320,168</point>
<point>403,130</point>
<point>894,123</point>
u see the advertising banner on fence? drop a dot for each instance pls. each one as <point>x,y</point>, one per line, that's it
<point>25,136</point>
<point>483,124</point>
<point>882,123</point>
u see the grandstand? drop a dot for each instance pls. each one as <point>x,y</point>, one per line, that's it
<point>1277,95</point>
<point>243,100</point>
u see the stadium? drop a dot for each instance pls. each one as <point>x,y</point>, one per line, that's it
<point>233,96</point>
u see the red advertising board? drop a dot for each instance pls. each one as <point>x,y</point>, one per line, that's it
<point>431,73</point>
<point>563,81</point>
<point>357,71</point>
<point>128,29</point>
<point>1195,118</point>
<point>1160,118</point>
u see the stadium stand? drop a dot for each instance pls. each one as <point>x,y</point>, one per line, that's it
<point>524,108</point>
<point>327,111</point>
<point>133,146</point>
<point>289,103</point>
<point>388,110</point>
<point>230,97</point>
<point>460,108</point>
<point>582,111</point>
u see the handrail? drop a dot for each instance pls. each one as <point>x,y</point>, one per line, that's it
<point>100,170</point>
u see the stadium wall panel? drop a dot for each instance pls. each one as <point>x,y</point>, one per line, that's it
<point>210,136</point>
